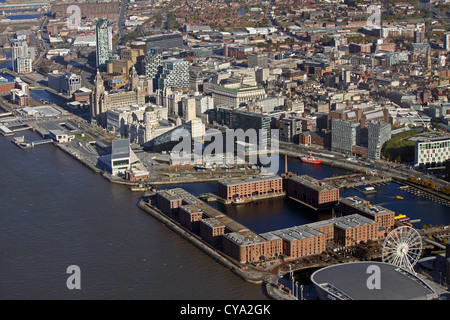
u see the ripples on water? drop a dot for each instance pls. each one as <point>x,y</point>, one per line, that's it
<point>56,213</point>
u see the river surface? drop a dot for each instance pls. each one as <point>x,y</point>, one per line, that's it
<point>55,212</point>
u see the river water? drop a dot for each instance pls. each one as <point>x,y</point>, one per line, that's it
<point>55,213</point>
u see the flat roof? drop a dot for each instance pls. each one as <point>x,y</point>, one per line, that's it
<point>212,222</point>
<point>120,148</point>
<point>348,281</point>
<point>244,239</point>
<point>312,183</point>
<point>179,194</point>
<point>293,233</point>
<point>360,204</point>
<point>191,208</point>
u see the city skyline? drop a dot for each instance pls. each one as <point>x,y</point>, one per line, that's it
<point>290,141</point>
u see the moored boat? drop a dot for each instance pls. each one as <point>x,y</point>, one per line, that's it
<point>310,159</point>
<point>241,200</point>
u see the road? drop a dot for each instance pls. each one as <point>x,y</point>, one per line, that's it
<point>382,166</point>
<point>437,14</point>
<point>121,22</point>
<point>45,43</point>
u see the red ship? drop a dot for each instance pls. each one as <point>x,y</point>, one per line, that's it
<point>310,159</point>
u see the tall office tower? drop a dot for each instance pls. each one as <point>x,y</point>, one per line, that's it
<point>202,104</point>
<point>260,60</point>
<point>175,74</point>
<point>104,43</point>
<point>189,108</point>
<point>419,36</point>
<point>379,133</point>
<point>19,48</point>
<point>152,65</point>
<point>197,129</point>
<point>21,58</point>
<point>344,135</point>
<point>237,119</point>
<point>447,41</point>
<point>346,76</point>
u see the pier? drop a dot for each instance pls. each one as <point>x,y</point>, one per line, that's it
<point>22,143</point>
<point>5,131</point>
<point>433,243</point>
<point>356,180</point>
<point>211,197</point>
<point>427,195</point>
<point>39,142</point>
<point>423,192</point>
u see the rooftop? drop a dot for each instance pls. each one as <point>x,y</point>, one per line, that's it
<point>312,183</point>
<point>365,206</point>
<point>348,281</point>
<point>121,148</point>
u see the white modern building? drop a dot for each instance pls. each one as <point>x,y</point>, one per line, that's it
<point>432,152</point>
<point>67,82</point>
<point>22,59</point>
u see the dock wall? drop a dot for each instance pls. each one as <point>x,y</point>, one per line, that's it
<point>250,276</point>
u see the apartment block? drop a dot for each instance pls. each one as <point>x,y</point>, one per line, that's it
<point>248,247</point>
<point>311,192</point>
<point>212,230</point>
<point>344,135</point>
<point>378,134</point>
<point>103,33</point>
<point>169,201</point>
<point>190,217</point>
<point>242,190</point>
<point>352,229</point>
<point>357,205</point>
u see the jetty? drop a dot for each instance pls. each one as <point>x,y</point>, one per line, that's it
<point>357,181</point>
<point>423,192</point>
<point>6,131</point>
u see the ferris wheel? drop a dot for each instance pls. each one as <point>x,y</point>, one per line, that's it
<point>402,247</point>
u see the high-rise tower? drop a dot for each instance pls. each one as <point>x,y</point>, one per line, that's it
<point>21,58</point>
<point>97,93</point>
<point>104,43</point>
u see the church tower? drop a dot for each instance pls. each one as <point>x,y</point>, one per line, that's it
<point>134,79</point>
<point>428,62</point>
<point>97,96</point>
